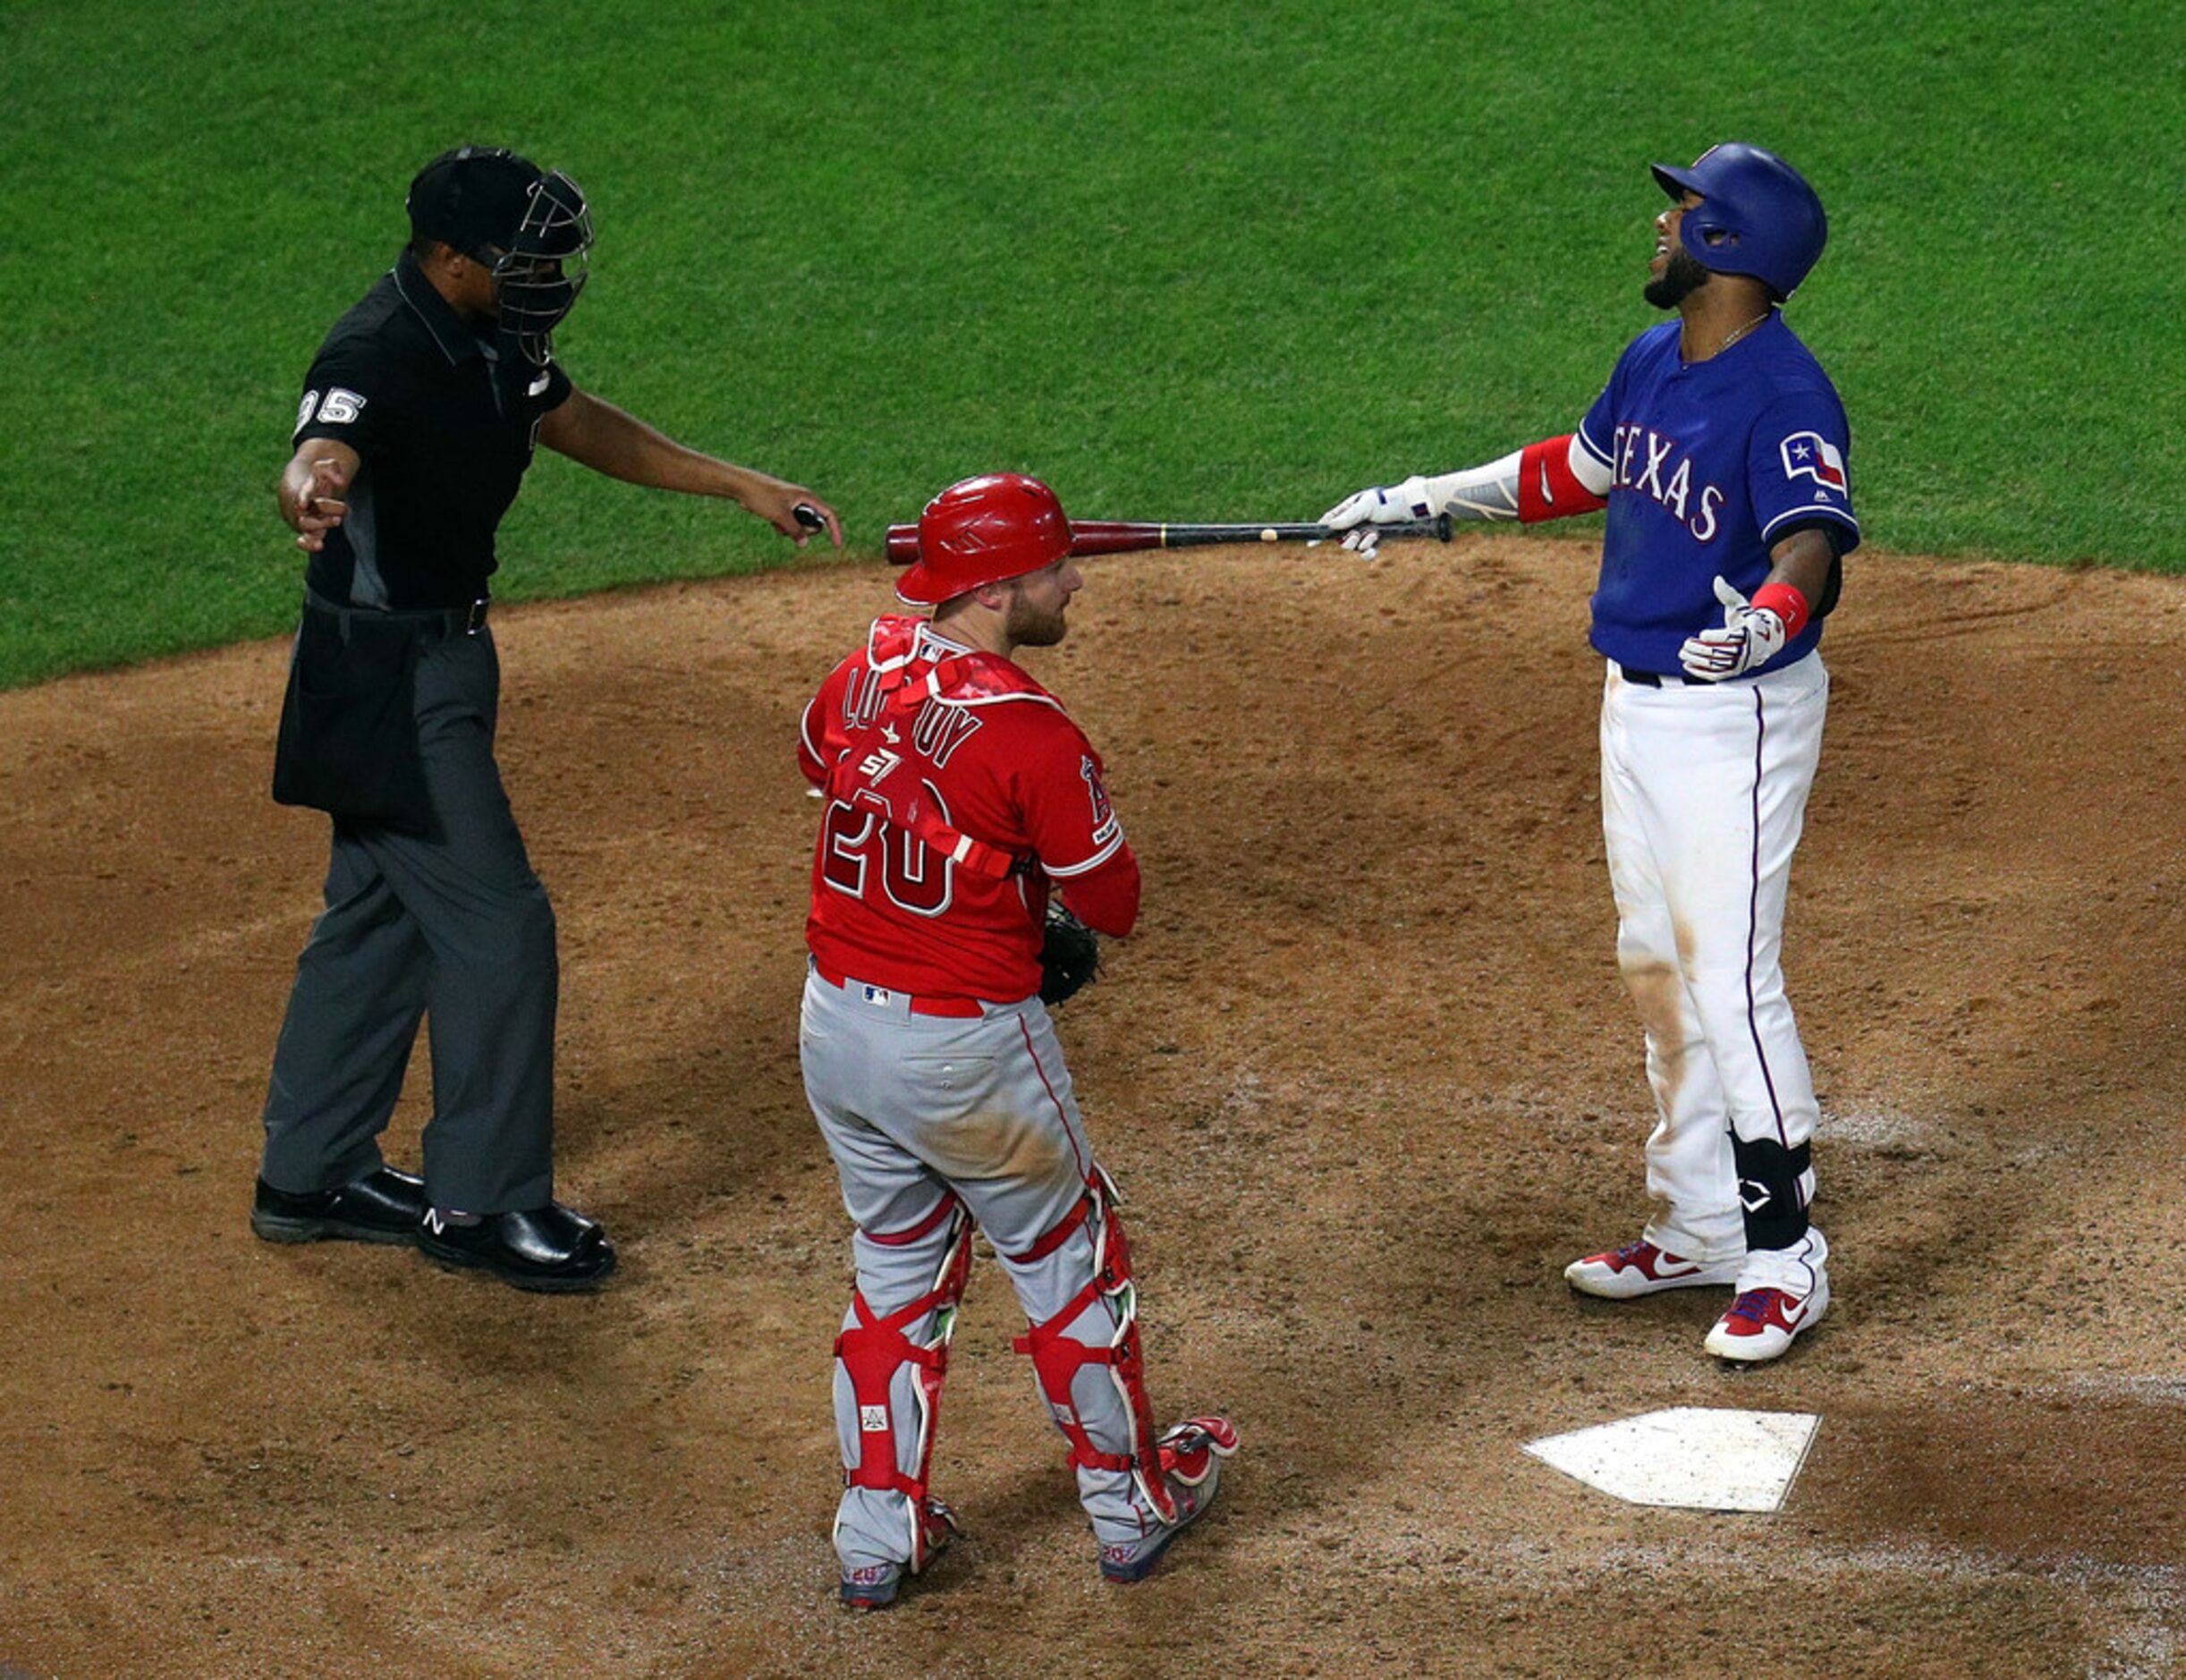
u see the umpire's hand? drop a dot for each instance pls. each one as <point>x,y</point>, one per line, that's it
<point>790,509</point>
<point>314,488</point>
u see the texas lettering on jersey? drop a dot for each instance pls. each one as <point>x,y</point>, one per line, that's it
<point>1712,463</point>
<point>1641,463</point>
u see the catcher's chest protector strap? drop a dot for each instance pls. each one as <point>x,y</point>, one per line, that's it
<point>906,679</point>
<point>875,1348</point>
<point>1057,1356</point>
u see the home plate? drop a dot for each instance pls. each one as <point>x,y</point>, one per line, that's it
<point>1703,1458</point>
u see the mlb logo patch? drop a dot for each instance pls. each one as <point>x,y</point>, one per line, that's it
<point>1811,456</point>
<point>879,995</point>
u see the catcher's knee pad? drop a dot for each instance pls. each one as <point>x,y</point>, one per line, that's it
<point>1058,1356</point>
<point>873,1348</point>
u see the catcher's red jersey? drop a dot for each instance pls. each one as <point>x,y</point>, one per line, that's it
<point>948,813</point>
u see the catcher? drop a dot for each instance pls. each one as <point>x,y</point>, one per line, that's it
<point>957,791</point>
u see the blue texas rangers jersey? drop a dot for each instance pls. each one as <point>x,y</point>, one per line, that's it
<point>1712,462</point>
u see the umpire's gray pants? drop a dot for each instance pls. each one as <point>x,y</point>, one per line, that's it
<point>455,929</point>
<point>914,1107</point>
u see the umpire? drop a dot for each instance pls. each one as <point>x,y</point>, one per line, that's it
<point>419,419</point>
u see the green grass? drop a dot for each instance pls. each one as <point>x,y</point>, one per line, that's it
<point>1182,260</point>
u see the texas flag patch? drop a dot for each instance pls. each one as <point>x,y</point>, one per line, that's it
<point>1813,456</point>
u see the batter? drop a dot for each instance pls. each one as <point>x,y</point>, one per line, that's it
<point>957,791</point>
<point>1721,452</point>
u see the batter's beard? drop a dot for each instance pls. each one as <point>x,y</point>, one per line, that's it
<point>1681,276</point>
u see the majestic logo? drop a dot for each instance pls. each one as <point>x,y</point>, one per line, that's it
<point>1810,455</point>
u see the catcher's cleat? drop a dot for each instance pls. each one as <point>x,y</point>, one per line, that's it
<point>1191,1455</point>
<point>874,1586</point>
<point>381,1206</point>
<point>552,1250</point>
<point>1641,1268</point>
<point>1762,1322</point>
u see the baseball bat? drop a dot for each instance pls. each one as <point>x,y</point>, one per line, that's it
<point>1124,536</point>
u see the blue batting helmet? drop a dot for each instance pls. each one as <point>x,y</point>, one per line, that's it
<point>1759,215</point>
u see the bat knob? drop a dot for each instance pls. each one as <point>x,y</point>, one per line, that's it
<point>806,515</point>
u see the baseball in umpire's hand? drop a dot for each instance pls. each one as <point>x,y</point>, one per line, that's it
<point>790,509</point>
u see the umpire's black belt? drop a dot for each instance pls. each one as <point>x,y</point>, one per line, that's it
<point>431,623</point>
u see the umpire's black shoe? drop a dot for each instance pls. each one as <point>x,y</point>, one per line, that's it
<point>381,1206</point>
<point>552,1249</point>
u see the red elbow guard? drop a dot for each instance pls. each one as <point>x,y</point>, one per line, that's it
<point>1787,603</point>
<point>1546,486</point>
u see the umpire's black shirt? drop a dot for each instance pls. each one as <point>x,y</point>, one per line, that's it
<point>444,438</point>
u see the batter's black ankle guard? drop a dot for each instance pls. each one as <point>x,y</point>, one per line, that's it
<point>1769,1178</point>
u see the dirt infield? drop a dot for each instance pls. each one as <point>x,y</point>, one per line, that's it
<point>1367,1072</point>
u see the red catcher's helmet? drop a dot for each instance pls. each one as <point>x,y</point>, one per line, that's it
<point>984,530</point>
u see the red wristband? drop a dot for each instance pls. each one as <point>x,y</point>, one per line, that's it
<point>1787,603</point>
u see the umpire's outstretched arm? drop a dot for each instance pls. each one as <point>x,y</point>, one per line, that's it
<point>602,437</point>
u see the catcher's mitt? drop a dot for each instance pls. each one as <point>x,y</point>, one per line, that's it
<point>1070,955</point>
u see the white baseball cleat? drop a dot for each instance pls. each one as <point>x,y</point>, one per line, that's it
<point>1641,1268</point>
<point>1762,1322</point>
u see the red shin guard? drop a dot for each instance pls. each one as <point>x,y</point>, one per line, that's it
<point>875,1348</point>
<point>1057,1356</point>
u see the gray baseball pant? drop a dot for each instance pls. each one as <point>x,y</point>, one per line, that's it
<point>914,1107</point>
<point>455,929</point>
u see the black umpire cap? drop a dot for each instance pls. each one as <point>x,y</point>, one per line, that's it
<point>473,198</point>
